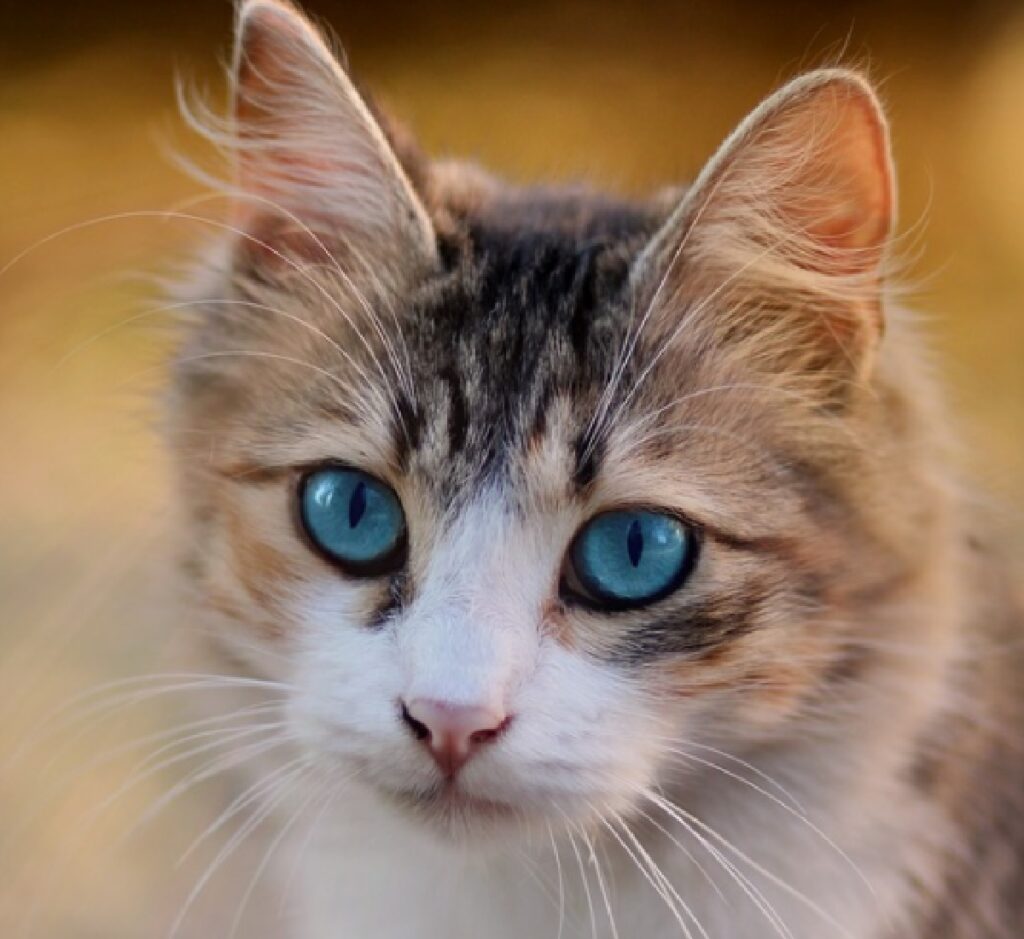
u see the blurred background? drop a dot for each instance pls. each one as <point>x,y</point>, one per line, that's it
<point>627,96</point>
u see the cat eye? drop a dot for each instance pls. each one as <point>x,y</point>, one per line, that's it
<point>353,519</point>
<point>627,559</point>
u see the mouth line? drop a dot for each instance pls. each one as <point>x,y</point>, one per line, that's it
<point>449,800</point>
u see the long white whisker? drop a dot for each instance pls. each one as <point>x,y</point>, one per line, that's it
<point>245,353</point>
<point>744,764</point>
<point>222,226</point>
<point>212,301</point>
<point>764,872</point>
<point>601,886</point>
<point>561,881</point>
<point>687,853</point>
<point>150,766</point>
<point>742,881</point>
<point>181,735</point>
<point>584,880</point>
<point>800,816</point>
<point>212,768</point>
<point>242,801</point>
<point>638,846</point>
<point>298,766</point>
<point>653,875</point>
<point>177,682</point>
<point>332,792</point>
<point>41,646</point>
<point>274,844</point>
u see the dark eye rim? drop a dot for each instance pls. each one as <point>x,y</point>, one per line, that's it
<point>385,565</point>
<point>597,602</point>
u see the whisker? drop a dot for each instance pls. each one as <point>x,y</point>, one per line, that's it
<point>242,801</point>
<point>41,647</point>
<point>281,791</point>
<point>628,435</point>
<point>664,877</point>
<point>561,882</point>
<point>652,874</point>
<point>601,886</point>
<point>742,881</point>
<point>800,816</point>
<point>332,792</point>
<point>148,768</point>
<point>233,304</point>
<point>687,853</point>
<point>684,321</point>
<point>74,718</point>
<point>274,844</point>
<point>208,770</point>
<point>245,353</point>
<point>743,764</point>
<point>777,881</point>
<point>181,735</point>
<point>74,840</point>
<point>584,880</point>
<point>218,225</point>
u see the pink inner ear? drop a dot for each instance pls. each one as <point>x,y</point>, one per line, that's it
<point>843,196</point>
<point>267,74</point>
<point>308,144</point>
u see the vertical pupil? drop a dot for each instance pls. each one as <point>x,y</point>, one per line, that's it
<point>357,505</point>
<point>635,542</point>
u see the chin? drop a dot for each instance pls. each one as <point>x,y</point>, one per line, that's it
<point>458,815</point>
<point>454,815</point>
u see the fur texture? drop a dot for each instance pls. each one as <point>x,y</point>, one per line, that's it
<point>814,736</point>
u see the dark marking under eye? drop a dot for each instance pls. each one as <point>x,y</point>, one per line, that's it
<point>699,630</point>
<point>397,597</point>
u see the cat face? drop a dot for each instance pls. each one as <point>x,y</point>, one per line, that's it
<point>526,496</point>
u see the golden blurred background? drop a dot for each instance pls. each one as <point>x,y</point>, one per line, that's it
<point>627,96</point>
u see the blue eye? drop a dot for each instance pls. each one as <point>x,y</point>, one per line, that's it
<point>354,519</point>
<point>631,558</point>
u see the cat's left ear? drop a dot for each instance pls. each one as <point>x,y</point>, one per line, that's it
<point>314,167</point>
<point>782,240</point>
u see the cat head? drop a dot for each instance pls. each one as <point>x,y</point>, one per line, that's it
<point>520,493</point>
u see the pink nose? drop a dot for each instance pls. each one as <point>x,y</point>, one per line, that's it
<point>452,732</point>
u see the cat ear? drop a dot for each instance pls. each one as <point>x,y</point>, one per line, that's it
<point>314,163</point>
<point>783,237</point>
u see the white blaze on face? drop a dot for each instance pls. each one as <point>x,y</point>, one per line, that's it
<point>471,635</point>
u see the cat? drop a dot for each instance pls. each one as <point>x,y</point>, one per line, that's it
<point>607,566</point>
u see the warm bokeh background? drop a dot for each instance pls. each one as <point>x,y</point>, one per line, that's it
<point>624,95</point>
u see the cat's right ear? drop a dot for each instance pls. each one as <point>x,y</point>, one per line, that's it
<point>779,249</point>
<point>315,173</point>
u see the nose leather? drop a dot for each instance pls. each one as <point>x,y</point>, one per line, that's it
<point>453,732</point>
